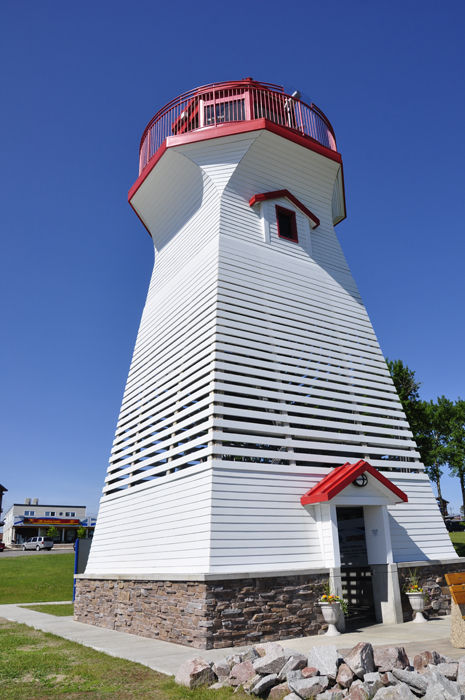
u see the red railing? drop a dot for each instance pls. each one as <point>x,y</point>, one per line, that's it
<point>244,100</point>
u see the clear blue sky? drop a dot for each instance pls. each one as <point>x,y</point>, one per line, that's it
<point>79,80</point>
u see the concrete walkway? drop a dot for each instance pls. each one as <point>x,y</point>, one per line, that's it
<point>167,657</point>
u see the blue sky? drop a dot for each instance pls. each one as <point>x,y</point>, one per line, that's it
<point>80,80</point>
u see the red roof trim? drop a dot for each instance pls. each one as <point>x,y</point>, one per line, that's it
<point>277,194</point>
<point>340,477</point>
<point>231,129</point>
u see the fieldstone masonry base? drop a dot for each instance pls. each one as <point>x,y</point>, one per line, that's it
<point>432,580</point>
<point>211,615</point>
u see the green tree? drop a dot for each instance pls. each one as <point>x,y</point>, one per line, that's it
<point>81,533</point>
<point>457,447</point>
<point>435,439</point>
<point>53,532</point>
<point>407,390</point>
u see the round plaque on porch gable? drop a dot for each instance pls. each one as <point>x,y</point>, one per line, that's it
<point>361,480</point>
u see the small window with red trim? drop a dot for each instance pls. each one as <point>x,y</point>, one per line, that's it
<point>287,225</point>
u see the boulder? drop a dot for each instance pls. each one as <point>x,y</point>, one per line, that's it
<point>461,671</point>
<point>263,684</point>
<point>219,685</point>
<point>440,688</point>
<point>395,692</point>
<point>249,684</point>
<point>310,672</point>
<point>309,687</point>
<point>326,660</point>
<point>390,657</point>
<point>222,670</point>
<point>332,694</point>
<point>293,676</point>
<point>292,696</point>
<point>268,648</point>
<point>294,663</point>
<point>272,662</point>
<point>360,659</point>
<point>373,683</point>
<point>426,658</point>
<point>345,676</point>
<point>413,679</point>
<point>234,659</point>
<point>241,673</point>
<point>388,679</point>
<point>278,692</point>
<point>195,673</point>
<point>250,655</point>
<point>449,670</point>
<point>358,691</point>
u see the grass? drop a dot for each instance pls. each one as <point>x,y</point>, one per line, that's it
<point>36,579</point>
<point>64,610</point>
<point>458,540</point>
<point>36,665</point>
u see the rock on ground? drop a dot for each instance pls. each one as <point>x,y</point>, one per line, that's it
<point>263,684</point>
<point>272,662</point>
<point>240,673</point>
<point>278,692</point>
<point>293,663</point>
<point>448,670</point>
<point>345,676</point>
<point>390,657</point>
<point>395,692</point>
<point>326,660</point>
<point>222,670</point>
<point>373,683</point>
<point>195,673</point>
<point>309,687</point>
<point>310,672</point>
<point>360,659</point>
<point>411,678</point>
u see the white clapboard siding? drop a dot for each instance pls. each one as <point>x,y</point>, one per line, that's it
<point>255,371</point>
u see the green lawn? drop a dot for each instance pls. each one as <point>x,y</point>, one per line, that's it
<point>35,665</point>
<point>458,540</point>
<point>64,610</point>
<point>36,579</point>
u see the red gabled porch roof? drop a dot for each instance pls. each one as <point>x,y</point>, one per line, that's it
<point>340,477</point>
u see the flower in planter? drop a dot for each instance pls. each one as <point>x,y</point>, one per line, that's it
<point>331,599</point>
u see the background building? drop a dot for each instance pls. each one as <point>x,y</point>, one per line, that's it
<point>29,519</point>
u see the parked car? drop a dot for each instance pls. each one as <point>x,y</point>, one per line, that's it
<point>2,546</point>
<point>38,543</point>
<point>454,525</point>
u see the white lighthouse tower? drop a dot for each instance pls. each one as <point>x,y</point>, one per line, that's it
<point>261,447</point>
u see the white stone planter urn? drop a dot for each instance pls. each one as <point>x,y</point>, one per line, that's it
<point>331,612</point>
<point>417,602</point>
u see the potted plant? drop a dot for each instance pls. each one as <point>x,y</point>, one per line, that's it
<point>331,606</point>
<point>416,596</point>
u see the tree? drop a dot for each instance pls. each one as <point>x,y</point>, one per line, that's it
<point>407,391</point>
<point>457,447</point>
<point>81,533</point>
<point>53,532</point>
<point>434,439</point>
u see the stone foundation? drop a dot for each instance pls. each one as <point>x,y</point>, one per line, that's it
<point>205,615</point>
<point>431,576</point>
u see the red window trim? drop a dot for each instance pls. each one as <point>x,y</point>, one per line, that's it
<point>291,215</point>
<point>277,194</point>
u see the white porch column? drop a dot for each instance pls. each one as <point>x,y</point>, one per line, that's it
<point>386,590</point>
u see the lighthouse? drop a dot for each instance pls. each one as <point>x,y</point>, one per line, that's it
<point>261,449</point>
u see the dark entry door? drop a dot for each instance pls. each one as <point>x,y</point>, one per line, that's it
<point>357,583</point>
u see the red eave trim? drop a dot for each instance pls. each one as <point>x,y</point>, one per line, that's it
<point>340,477</point>
<point>231,129</point>
<point>276,194</point>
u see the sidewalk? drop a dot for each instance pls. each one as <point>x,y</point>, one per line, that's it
<point>167,657</point>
